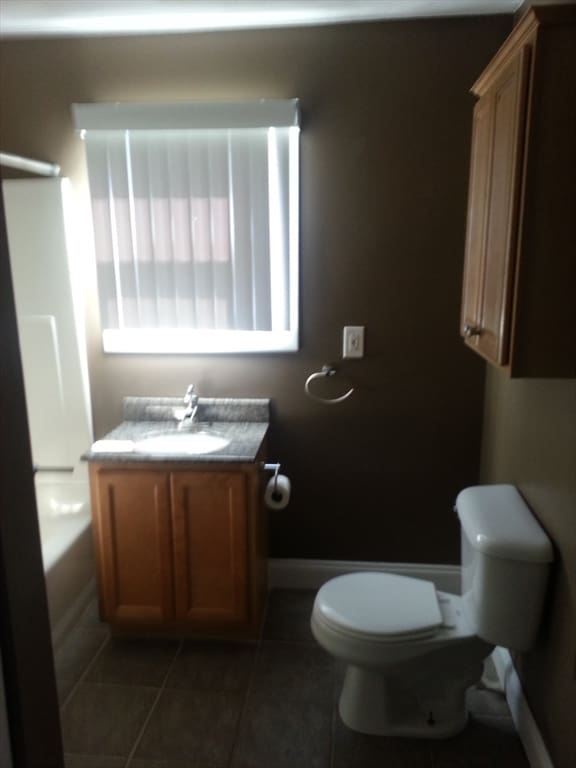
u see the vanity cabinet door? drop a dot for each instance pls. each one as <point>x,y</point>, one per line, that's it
<point>133,539</point>
<point>210,528</point>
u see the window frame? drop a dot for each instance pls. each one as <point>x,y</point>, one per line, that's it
<point>264,113</point>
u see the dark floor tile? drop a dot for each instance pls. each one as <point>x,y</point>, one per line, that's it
<point>77,652</point>
<point>212,666</point>
<point>278,733</point>
<point>299,672</point>
<point>294,687</point>
<point>288,615</point>
<point>134,661</point>
<point>487,742</point>
<point>339,673</point>
<point>359,750</point>
<point>93,761</point>
<point>199,726</point>
<point>105,719</point>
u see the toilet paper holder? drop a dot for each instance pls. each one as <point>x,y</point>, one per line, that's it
<point>278,488</point>
<point>273,468</point>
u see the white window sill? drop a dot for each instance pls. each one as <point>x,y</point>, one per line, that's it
<point>188,341</point>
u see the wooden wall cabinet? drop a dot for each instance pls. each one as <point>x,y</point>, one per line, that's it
<point>179,548</point>
<point>518,303</point>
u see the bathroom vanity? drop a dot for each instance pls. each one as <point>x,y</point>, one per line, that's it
<point>179,525</point>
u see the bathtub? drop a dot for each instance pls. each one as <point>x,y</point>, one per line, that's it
<point>66,538</point>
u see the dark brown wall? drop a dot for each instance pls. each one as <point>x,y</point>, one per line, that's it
<point>385,143</point>
<point>530,440</point>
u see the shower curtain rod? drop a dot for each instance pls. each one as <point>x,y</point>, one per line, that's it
<point>27,164</point>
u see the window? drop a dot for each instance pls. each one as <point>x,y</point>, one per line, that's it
<point>195,212</point>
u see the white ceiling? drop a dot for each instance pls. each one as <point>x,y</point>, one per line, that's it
<point>57,18</point>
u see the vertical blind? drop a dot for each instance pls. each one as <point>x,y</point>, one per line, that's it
<point>195,227</point>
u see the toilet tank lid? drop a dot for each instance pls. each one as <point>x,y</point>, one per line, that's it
<point>497,521</point>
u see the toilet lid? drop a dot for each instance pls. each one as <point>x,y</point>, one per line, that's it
<point>382,606</point>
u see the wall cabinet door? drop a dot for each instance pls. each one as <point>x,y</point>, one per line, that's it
<point>491,238</point>
<point>518,308</point>
<point>210,525</point>
<point>134,545</point>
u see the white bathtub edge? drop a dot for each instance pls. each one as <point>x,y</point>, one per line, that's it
<point>61,629</point>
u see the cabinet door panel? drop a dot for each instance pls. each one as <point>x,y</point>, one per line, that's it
<point>502,226</point>
<point>480,164</point>
<point>493,211</point>
<point>210,546</point>
<point>134,539</point>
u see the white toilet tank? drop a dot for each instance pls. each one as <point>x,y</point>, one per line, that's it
<point>506,558</point>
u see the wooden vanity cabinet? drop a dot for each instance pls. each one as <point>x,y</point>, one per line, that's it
<point>518,307</point>
<point>179,548</point>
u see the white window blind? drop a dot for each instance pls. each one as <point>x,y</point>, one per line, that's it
<point>195,212</point>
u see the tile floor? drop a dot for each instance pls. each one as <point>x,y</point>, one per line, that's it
<point>157,703</point>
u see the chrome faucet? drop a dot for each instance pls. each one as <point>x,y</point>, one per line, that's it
<point>191,406</point>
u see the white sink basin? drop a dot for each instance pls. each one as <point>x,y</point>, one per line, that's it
<point>181,442</point>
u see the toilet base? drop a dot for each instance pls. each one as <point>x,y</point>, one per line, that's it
<point>383,705</point>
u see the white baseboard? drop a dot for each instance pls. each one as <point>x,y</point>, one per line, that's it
<point>287,573</point>
<point>527,728</point>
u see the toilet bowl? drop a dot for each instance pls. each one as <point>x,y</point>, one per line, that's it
<point>401,640</point>
<point>411,651</point>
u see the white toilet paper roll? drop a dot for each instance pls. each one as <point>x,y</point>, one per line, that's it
<point>277,493</point>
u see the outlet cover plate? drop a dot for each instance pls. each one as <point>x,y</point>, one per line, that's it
<point>353,341</point>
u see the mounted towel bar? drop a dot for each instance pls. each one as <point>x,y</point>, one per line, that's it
<point>28,164</point>
<point>327,370</point>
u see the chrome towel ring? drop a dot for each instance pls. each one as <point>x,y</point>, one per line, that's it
<point>327,370</point>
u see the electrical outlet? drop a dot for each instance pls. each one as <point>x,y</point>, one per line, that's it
<point>353,341</point>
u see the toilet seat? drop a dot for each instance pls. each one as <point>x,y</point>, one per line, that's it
<point>380,607</point>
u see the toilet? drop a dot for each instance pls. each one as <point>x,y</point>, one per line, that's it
<point>412,651</point>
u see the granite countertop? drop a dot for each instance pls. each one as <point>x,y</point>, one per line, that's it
<point>241,422</point>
